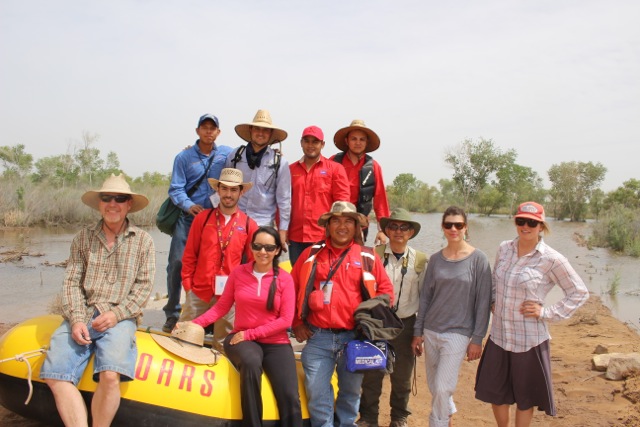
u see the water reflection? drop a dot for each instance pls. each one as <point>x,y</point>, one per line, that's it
<point>27,287</point>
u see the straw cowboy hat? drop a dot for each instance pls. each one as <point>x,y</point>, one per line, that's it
<point>400,215</point>
<point>231,178</point>
<point>115,184</point>
<point>262,119</point>
<point>187,341</point>
<point>373,141</point>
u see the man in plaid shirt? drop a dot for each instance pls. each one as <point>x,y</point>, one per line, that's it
<point>107,283</point>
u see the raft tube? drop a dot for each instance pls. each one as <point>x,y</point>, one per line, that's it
<point>167,390</point>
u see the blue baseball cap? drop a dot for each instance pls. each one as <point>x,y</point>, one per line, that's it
<point>211,117</point>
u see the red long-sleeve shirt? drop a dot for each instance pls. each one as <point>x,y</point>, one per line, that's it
<point>380,201</point>
<point>312,194</point>
<point>250,297</point>
<point>346,294</point>
<point>201,260</point>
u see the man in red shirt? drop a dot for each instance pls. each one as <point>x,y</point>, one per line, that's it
<point>316,183</point>
<point>328,293</point>
<point>364,173</point>
<point>217,241</point>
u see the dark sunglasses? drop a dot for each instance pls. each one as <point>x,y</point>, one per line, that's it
<point>120,198</point>
<point>457,225</point>
<point>402,227</point>
<point>259,246</point>
<point>530,222</point>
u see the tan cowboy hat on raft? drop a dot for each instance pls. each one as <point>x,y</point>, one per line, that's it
<point>373,141</point>
<point>118,185</point>
<point>187,341</point>
<point>231,178</point>
<point>262,119</point>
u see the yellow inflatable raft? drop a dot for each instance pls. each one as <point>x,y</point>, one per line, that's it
<point>167,390</point>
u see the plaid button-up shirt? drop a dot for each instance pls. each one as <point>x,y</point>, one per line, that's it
<point>531,277</point>
<point>118,280</point>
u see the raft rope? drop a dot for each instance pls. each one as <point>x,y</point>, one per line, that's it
<point>23,357</point>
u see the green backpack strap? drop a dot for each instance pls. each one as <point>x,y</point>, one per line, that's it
<point>421,261</point>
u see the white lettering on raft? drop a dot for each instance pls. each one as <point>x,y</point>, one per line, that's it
<point>165,374</point>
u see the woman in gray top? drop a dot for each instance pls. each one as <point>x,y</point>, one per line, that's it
<point>455,301</point>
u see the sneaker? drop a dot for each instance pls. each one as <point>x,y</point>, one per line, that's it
<point>169,324</point>
<point>363,423</point>
<point>399,423</point>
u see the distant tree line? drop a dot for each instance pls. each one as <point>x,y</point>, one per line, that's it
<point>82,164</point>
<point>485,179</point>
<point>47,191</point>
<point>488,180</point>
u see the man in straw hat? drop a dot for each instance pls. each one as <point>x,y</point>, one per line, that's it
<point>267,170</point>
<point>405,267</point>
<point>365,174</point>
<point>217,241</point>
<point>191,193</point>
<point>316,182</point>
<point>107,282</point>
<point>328,287</point>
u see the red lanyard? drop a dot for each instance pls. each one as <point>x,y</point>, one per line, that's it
<point>224,244</point>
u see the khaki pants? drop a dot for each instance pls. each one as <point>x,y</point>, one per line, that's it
<point>194,307</point>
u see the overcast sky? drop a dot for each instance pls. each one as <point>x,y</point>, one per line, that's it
<point>555,80</point>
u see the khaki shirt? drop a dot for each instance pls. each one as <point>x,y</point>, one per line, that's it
<point>408,300</point>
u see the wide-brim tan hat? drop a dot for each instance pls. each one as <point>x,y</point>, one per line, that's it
<point>262,119</point>
<point>187,341</point>
<point>400,215</point>
<point>231,178</point>
<point>115,184</point>
<point>343,209</point>
<point>373,141</point>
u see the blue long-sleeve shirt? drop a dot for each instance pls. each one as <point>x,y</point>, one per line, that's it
<point>267,193</point>
<point>188,167</point>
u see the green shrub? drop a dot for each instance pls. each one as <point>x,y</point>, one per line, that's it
<point>619,229</point>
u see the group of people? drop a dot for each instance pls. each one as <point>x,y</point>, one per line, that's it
<point>243,207</point>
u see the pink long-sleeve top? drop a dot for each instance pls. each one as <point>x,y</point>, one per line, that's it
<point>250,297</point>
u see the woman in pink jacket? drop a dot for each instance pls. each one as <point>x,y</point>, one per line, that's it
<point>264,296</point>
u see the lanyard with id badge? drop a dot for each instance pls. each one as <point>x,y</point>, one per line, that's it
<point>326,286</point>
<point>221,280</point>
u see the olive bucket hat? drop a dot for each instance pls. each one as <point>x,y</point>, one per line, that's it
<point>400,215</point>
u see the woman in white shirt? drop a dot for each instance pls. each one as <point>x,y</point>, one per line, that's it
<point>516,364</point>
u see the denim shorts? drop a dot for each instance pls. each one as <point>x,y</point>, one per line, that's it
<point>115,350</point>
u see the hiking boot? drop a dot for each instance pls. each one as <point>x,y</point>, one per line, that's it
<point>363,423</point>
<point>399,423</point>
<point>169,324</point>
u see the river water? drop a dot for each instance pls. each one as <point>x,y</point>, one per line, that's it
<point>28,286</point>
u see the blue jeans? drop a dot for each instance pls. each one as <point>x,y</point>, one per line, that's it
<point>115,351</point>
<point>174,265</point>
<point>323,354</point>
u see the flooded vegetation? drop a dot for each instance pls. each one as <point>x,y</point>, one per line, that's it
<point>32,278</point>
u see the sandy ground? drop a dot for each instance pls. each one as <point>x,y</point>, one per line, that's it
<point>583,396</point>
